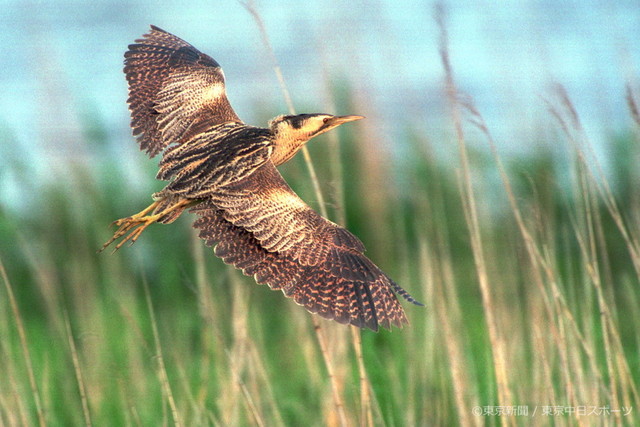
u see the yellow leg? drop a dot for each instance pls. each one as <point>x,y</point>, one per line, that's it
<point>134,225</point>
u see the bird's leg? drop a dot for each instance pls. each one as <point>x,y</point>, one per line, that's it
<point>134,225</point>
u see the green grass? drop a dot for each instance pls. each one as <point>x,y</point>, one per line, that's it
<point>535,304</point>
<point>235,353</point>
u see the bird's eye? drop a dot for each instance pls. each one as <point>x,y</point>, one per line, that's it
<point>325,120</point>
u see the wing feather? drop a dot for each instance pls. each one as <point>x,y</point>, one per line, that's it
<point>175,91</point>
<point>265,205</point>
<point>345,286</point>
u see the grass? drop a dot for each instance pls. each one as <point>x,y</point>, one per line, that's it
<point>530,278</point>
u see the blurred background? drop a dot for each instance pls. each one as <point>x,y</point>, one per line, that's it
<point>62,66</point>
<point>527,257</point>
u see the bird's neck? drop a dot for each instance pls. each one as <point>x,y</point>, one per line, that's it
<point>285,147</point>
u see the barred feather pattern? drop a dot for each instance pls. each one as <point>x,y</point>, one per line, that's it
<point>344,286</point>
<point>265,205</point>
<point>263,228</point>
<point>222,154</point>
<point>175,91</point>
<point>245,208</point>
<point>230,165</point>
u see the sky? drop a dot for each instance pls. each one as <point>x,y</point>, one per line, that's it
<point>62,64</point>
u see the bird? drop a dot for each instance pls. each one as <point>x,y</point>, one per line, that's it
<point>225,172</point>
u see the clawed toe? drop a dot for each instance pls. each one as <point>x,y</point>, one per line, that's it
<point>132,225</point>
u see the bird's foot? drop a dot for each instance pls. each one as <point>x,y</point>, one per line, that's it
<point>132,227</point>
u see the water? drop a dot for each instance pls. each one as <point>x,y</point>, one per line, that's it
<point>62,63</point>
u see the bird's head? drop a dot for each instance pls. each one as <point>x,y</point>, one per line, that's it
<point>303,127</point>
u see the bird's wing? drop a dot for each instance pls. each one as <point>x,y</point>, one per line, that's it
<point>263,204</point>
<point>221,155</point>
<point>343,284</point>
<point>175,91</point>
<point>266,230</point>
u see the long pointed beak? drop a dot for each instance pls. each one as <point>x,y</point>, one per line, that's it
<point>338,120</point>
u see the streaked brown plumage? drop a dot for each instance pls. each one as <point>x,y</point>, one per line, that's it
<point>225,171</point>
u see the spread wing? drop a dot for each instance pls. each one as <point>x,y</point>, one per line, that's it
<point>263,228</point>
<point>175,91</point>
<point>263,204</point>
<point>343,285</point>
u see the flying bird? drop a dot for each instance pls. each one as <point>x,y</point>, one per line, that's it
<point>224,171</point>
